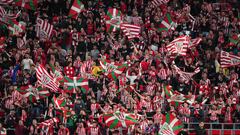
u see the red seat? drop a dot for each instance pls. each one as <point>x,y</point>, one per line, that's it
<point>237,132</point>
<point>227,132</point>
<point>216,132</point>
<point>192,133</point>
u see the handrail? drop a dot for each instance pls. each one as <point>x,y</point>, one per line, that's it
<point>211,126</point>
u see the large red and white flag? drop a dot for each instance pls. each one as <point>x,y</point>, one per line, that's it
<point>229,60</point>
<point>179,45</point>
<point>76,8</point>
<point>185,76</point>
<point>159,2</point>
<point>130,30</point>
<point>194,42</point>
<point>45,79</point>
<point>44,29</point>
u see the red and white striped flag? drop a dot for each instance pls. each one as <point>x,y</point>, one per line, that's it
<point>45,79</point>
<point>131,31</point>
<point>194,42</point>
<point>44,29</point>
<point>159,2</point>
<point>6,2</point>
<point>179,45</point>
<point>4,14</point>
<point>185,76</point>
<point>228,60</point>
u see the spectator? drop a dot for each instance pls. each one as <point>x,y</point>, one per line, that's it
<point>20,129</point>
<point>200,130</point>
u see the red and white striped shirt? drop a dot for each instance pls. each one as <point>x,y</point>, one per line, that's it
<point>94,131</point>
<point>163,73</point>
<point>144,125</point>
<point>186,112</point>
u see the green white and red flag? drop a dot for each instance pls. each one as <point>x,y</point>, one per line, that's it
<point>76,8</point>
<point>73,82</point>
<point>59,102</point>
<point>27,4</point>
<point>167,24</point>
<point>57,75</point>
<point>173,97</point>
<point>16,27</point>
<point>168,91</point>
<point>119,119</point>
<point>112,69</point>
<point>33,93</point>
<point>113,20</point>
<point>170,125</point>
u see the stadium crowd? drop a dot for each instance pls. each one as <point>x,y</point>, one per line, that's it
<point>212,94</point>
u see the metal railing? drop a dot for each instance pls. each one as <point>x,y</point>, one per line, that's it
<point>222,128</point>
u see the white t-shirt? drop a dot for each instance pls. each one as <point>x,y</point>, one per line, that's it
<point>27,63</point>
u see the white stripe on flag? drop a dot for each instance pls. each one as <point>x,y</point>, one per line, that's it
<point>78,10</point>
<point>110,119</point>
<point>173,122</point>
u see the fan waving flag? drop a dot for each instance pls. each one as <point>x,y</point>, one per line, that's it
<point>228,60</point>
<point>8,19</point>
<point>185,76</point>
<point>168,23</point>
<point>130,30</point>
<point>159,2</point>
<point>44,29</point>
<point>45,79</point>
<point>4,14</point>
<point>173,97</point>
<point>33,93</point>
<point>194,42</point>
<point>119,119</point>
<point>112,69</point>
<point>49,122</point>
<point>113,20</point>
<point>76,8</point>
<point>179,45</point>
<point>59,102</point>
<point>168,91</point>
<point>170,125</point>
<point>57,75</point>
<point>27,4</point>
<point>73,82</point>
<point>16,27</point>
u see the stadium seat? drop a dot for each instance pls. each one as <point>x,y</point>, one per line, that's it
<point>227,132</point>
<point>192,133</point>
<point>216,132</point>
